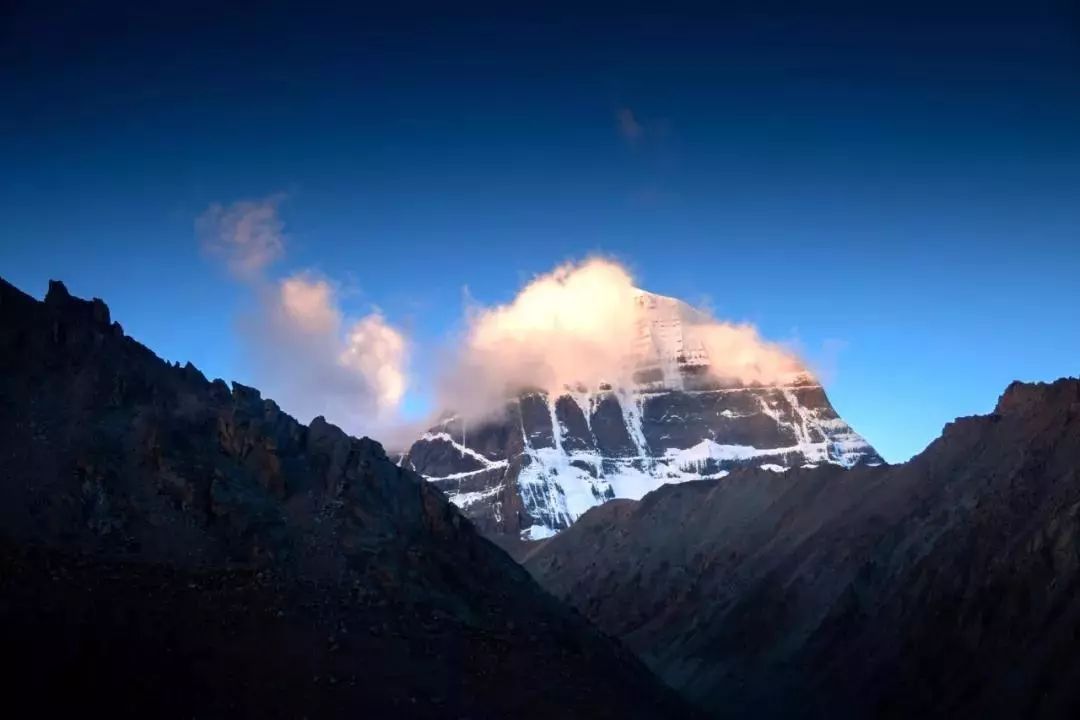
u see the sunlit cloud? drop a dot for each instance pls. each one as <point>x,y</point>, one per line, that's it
<point>379,352</point>
<point>582,324</point>
<point>317,362</point>
<point>302,348</point>
<point>308,303</point>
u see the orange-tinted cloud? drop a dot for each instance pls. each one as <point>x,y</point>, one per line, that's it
<point>315,361</point>
<point>300,347</point>
<point>583,324</point>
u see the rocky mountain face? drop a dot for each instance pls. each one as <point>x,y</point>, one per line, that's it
<point>948,586</point>
<point>174,547</point>
<point>532,470</point>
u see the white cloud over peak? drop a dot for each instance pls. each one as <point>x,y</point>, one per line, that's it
<point>582,323</point>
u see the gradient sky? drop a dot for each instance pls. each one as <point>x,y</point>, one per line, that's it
<point>894,188</point>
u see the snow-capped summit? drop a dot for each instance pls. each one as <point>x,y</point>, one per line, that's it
<point>675,345</point>
<point>684,414</point>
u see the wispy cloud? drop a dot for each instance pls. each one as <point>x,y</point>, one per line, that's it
<point>247,235</point>
<point>302,348</point>
<point>629,128</point>
<point>654,145</point>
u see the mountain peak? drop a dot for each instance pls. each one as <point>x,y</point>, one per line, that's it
<point>57,293</point>
<point>680,347</point>
<point>1020,397</point>
<point>703,398</point>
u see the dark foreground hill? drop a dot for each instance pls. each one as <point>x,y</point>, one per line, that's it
<point>948,586</point>
<point>172,547</point>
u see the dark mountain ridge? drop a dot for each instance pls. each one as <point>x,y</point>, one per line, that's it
<point>173,547</point>
<point>946,586</point>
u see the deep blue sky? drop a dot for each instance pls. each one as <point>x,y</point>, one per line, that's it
<point>895,186</point>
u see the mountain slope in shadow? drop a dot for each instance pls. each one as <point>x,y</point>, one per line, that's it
<point>174,547</point>
<point>946,586</point>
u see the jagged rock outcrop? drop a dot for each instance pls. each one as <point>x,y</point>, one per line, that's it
<point>948,586</point>
<point>174,547</point>
<point>533,470</point>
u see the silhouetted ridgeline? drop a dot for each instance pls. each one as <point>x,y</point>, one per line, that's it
<point>173,547</point>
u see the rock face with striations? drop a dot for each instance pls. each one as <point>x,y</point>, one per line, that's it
<point>174,547</point>
<point>948,586</point>
<point>533,470</point>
